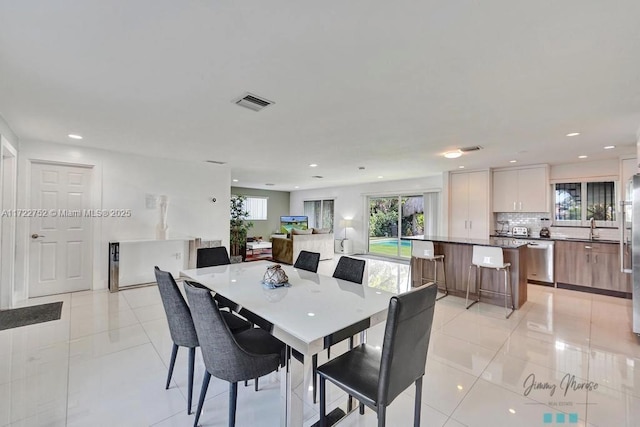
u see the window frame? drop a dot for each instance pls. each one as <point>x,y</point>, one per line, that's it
<point>584,220</point>
<point>250,216</point>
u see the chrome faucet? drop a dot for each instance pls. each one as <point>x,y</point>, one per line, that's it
<point>592,230</point>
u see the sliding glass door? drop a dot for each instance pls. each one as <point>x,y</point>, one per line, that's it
<point>390,219</point>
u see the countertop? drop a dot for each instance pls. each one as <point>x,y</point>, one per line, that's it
<point>560,239</point>
<point>501,242</point>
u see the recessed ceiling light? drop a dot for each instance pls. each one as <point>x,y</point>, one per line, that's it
<point>460,167</point>
<point>582,157</point>
<point>74,136</point>
<point>380,176</point>
<point>234,180</point>
<point>313,165</point>
<point>513,411</point>
<point>297,186</point>
<point>453,154</point>
<point>573,134</point>
<point>609,147</point>
<point>460,387</point>
<point>310,314</point>
<point>513,161</point>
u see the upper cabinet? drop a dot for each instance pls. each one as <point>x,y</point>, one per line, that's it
<point>521,190</point>
<point>468,205</point>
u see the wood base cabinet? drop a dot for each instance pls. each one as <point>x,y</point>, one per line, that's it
<point>591,264</point>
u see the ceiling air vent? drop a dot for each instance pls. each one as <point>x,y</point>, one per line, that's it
<point>317,176</point>
<point>468,149</point>
<point>216,162</point>
<point>252,102</point>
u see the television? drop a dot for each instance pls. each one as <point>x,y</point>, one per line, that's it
<point>287,223</point>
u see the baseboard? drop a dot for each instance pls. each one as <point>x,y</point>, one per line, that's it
<point>599,291</point>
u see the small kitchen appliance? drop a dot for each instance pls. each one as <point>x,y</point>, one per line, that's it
<point>544,231</point>
<point>520,232</point>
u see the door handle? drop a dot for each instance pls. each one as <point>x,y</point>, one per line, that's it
<point>36,235</point>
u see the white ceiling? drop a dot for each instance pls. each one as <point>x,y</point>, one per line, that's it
<point>385,85</point>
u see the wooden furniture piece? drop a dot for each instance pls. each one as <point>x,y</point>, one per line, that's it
<point>303,315</point>
<point>591,266</point>
<point>458,255</point>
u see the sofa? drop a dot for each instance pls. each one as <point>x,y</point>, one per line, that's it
<point>286,250</point>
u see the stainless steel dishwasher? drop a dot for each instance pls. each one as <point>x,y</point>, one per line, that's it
<point>540,261</point>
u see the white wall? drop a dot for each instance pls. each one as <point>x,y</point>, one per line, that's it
<point>351,202</point>
<point>598,169</point>
<point>123,181</point>
<point>8,178</point>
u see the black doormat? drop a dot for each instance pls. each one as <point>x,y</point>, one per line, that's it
<point>24,316</point>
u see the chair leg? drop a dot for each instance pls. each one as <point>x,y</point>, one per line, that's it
<point>323,403</point>
<point>382,415</point>
<point>418,403</point>
<point>256,384</point>
<point>203,393</point>
<point>314,369</point>
<point>192,362</point>
<point>328,352</point>
<point>444,279</point>
<point>466,301</point>
<point>233,400</point>
<point>174,354</point>
<point>506,287</point>
<point>361,408</point>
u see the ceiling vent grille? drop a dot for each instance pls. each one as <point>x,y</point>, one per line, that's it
<point>473,148</point>
<point>252,102</point>
<point>216,162</point>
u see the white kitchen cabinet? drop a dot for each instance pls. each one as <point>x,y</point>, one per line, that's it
<point>469,205</point>
<point>520,190</point>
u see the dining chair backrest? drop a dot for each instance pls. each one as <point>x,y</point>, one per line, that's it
<point>222,355</point>
<point>350,269</point>
<point>488,256</point>
<point>308,261</point>
<point>181,326</point>
<point>406,341</point>
<point>422,249</point>
<point>211,257</point>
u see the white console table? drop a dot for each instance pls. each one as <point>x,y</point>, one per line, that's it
<point>147,253</point>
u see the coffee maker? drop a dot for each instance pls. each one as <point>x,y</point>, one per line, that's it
<point>544,231</point>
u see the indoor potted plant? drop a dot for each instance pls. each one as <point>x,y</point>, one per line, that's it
<point>239,227</point>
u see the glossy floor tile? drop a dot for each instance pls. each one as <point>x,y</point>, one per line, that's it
<point>104,363</point>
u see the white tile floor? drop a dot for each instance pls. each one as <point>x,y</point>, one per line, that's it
<point>105,362</point>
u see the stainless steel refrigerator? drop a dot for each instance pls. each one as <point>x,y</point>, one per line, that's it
<point>630,243</point>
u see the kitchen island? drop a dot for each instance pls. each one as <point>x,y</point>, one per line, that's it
<point>457,259</point>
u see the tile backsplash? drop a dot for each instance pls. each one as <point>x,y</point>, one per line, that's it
<point>531,220</point>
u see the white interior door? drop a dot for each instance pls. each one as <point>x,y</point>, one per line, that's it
<point>60,233</point>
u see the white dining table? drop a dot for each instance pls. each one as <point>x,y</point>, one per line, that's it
<point>313,307</point>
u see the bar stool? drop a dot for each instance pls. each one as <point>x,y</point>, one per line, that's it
<point>423,250</point>
<point>493,258</point>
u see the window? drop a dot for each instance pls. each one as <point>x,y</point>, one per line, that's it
<point>257,208</point>
<point>320,213</point>
<point>577,202</point>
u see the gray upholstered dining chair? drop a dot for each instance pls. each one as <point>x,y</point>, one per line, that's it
<point>230,357</point>
<point>308,261</point>
<point>376,377</point>
<point>181,328</point>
